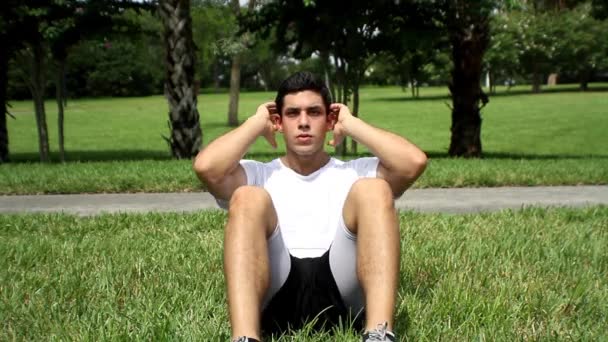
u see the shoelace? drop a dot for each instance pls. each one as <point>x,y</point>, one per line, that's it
<point>241,339</point>
<point>379,334</point>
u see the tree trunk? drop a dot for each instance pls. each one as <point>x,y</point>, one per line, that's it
<point>469,41</point>
<point>216,76</point>
<point>235,72</point>
<point>37,87</point>
<point>413,87</point>
<point>186,134</point>
<point>235,85</point>
<point>584,77</point>
<point>342,86</point>
<point>536,80</point>
<point>60,97</point>
<point>353,142</point>
<point>3,106</point>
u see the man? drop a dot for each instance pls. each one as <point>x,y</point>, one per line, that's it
<point>309,236</point>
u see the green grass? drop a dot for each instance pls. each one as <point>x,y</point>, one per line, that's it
<point>557,137</point>
<point>534,274</point>
<point>177,176</point>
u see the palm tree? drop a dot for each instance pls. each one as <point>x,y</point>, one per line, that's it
<point>180,89</point>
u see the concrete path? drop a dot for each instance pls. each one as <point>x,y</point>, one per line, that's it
<point>464,200</point>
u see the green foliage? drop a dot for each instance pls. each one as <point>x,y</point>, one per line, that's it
<point>502,57</point>
<point>212,23</point>
<point>122,61</point>
<point>580,48</point>
<point>123,69</point>
<point>538,40</point>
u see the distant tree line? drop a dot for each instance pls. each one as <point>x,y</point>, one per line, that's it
<point>78,48</point>
<point>528,42</point>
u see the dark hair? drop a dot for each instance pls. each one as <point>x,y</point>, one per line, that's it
<point>300,81</point>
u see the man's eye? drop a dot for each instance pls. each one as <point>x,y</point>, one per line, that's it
<point>315,112</point>
<point>291,114</point>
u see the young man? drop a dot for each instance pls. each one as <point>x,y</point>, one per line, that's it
<point>309,236</point>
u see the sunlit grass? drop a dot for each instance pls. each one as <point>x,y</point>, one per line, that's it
<point>553,138</point>
<point>536,274</point>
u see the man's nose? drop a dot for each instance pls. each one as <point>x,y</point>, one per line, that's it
<point>303,119</point>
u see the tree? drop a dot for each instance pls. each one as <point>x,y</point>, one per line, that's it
<point>12,18</point>
<point>235,70</point>
<point>350,36</point>
<point>467,24</point>
<point>581,47</point>
<point>212,23</point>
<point>502,58</point>
<point>54,25</point>
<point>186,133</point>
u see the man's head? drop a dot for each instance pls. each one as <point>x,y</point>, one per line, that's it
<point>303,114</point>
<point>301,81</point>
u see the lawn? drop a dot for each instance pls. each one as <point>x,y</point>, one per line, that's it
<point>534,274</point>
<point>115,144</point>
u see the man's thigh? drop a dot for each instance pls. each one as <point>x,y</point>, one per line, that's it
<point>343,265</point>
<point>280,264</point>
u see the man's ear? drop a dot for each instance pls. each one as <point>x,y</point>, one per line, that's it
<point>331,120</point>
<point>277,122</point>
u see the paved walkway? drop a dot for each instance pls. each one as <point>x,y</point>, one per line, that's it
<point>464,200</point>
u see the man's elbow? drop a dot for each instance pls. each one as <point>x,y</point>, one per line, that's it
<point>421,162</point>
<point>205,170</point>
<point>416,165</point>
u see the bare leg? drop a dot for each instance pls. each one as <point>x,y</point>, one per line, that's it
<point>369,212</point>
<point>251,220</point>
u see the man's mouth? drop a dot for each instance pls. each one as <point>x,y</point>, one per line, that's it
<point>304,138</point>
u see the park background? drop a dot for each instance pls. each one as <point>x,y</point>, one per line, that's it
<point>117,96</point>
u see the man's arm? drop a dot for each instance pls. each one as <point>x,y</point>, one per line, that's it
<point>218,164</point>
<point>401,162</point>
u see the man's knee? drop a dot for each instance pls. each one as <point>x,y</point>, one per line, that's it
<point>249,197</point>
<point>372,192</point>
<point>255,203</point>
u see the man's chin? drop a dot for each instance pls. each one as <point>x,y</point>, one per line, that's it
<point>305,151</point>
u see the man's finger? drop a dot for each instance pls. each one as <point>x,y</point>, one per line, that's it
<point>271,140</point>
<point>337,140</point>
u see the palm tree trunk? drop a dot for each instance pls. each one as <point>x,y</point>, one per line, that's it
<point>3,104</point>
<point>186,134</point>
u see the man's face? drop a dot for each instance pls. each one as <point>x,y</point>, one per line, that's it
<point>304,122</point>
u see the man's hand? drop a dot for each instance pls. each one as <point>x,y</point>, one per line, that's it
<point>341,115</point>
<point>267,113</point>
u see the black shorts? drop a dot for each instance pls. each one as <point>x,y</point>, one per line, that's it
<point>309,293</point>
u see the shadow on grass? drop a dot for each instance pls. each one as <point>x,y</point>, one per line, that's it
<point>91,156</point>
<point>138,155</point>
<point>502,93</point>
<point>519,156</point>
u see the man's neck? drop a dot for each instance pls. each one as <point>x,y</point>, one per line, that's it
<point>305,165</point>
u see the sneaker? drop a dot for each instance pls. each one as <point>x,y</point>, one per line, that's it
<point>379,334</point>
<point>245,339</point>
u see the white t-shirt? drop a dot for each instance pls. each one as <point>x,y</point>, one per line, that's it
<point>309,208</point>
